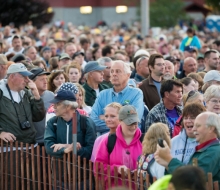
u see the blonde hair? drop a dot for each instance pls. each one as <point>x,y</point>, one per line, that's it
<point>82,90</point>
<point>156,131</point>
<point>212,92</point>
<point>115,105</point>
<point>190,99</point>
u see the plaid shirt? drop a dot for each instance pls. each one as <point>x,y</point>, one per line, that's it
<point>158,114</point>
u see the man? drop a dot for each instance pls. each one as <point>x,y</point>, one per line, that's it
<point>129,49</point>
<point>167,111</point>
<point>70,49</point>
<point>78,57</point>
<point>142,70</point>
<point>122,93</point>
<point>40,79</point>
<point>108,51</point>
<point>190,51</point>
<point>31,53</point>
<point>211,60</point>
<point>18,110</point>
<point>63,59</point>
<point>58,138</point>
<point>94,77</point>
<point>169,70</point>
<point>60,42</point>
<point>189,66</point>
<point>3,66</point>
<point>151,86</point>
<point>107,62</point>
<point>206,129</point>
<point>53,47</point>
<point>46,54</point>
<point>210,78</point>
<point>84,42</point>
<point>16,45</point>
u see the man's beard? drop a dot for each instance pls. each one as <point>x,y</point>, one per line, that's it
<point>167,76</point>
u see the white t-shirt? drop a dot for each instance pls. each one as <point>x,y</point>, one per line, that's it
<point>15,96</point>
<point>97,92</point>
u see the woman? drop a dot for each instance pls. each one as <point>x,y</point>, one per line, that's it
<point>188,84</point>
<point>96,53</point>
<point>212,99</point>
<point>53,62</point>
<point>198,80</point>
<point>127,146</point>
<point>81,99</point>
<point>112,121</point>
<point>146,162</point>
<point>183,145</point>
<point>40,63</point>
<point>74,72</point>
<point>56,78</point>
<point>189,98</point>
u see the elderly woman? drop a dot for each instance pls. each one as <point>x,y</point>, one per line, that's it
<point>212,99</point>
<point>126,147</point>
<point>146,162</point>
<point>183,145</point>
<point>58,133</point>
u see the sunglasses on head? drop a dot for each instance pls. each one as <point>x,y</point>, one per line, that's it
<point>190,94</point>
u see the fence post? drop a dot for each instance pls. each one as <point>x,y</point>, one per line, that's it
<point>17,165</point>
<point>2,164</point>
<point>74,137</point>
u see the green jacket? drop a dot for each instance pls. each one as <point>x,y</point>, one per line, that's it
<point>90,93</point>
<point>208,159</point>
<point>8,118</point>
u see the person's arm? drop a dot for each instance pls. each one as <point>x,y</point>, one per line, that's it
<point>50,139</point>
<point>86,151</point>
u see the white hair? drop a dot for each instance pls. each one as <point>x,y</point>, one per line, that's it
<point>86,76</point>
<point>213,120</point>
<point>212,91</point>
<point>73,105</point>
<point>103,60</point>
<point>127,68</point>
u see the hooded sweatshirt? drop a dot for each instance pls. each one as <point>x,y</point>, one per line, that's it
<point>177,147</point>
<point>122,154</point>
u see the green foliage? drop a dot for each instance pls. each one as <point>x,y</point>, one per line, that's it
<point>214,4</point>
<point>166,13</point>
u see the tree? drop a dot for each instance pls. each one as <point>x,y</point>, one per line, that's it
<point>166,13</point>
<point>214,4</point>
<point>20,12</point>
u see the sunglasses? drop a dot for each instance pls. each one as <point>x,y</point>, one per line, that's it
<point>190,94</point>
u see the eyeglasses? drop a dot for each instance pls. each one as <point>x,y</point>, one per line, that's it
<point>190,94</point>
<point>215,101</point>
<point>160,64</point>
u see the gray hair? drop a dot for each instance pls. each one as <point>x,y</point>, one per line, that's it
<point>86,76</point>
<point>103,60</point>
<point>212,91</point>
<point>127,68</point>
<point>73,105</point>
<point>213,120</point>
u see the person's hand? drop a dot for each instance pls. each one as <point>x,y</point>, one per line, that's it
<point>57,147</point>
<point>34,89</point>
<point>70,147</point>
<point>120,168</point>
<point>7,137</point>
<point>162,155</point>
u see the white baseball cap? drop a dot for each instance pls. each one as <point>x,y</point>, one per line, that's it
<point>18,68</point>
<point>212,75</point>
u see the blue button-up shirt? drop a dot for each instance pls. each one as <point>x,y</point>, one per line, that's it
<point>128,95</point>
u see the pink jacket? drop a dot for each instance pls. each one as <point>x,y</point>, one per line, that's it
<point>122,154</point>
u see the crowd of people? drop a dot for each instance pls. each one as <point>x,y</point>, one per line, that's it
<point>127,91</point>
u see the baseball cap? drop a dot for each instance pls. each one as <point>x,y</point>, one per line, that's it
<point>77,53</point>
<point>18,57</point>
<point>18,68</point>
<point>212,75</point>
<point>69,86</point>
<point>3,59</point>
<point>46,48</point>
<point>93,66</point>
<point>142,52</point>
<point>63,95</point>
<point>190,49</point>
<point>64,56</point>
<point>128,114</point>
<point>37,72</point>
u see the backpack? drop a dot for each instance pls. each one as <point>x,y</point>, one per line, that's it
<point>112,140</point>
<point>82,123</point>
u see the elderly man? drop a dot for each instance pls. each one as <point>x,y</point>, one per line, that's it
<point>189,66</point>
<point>169,70</point>
<point>31,53</point>
<point>122,93</point>
<point>94,77</point>
<point>40,79</point>
<point>58,133</point>
<point>18,110</point>
<point>107,62</point>
<point>207,130</point>
<point>142,70</point>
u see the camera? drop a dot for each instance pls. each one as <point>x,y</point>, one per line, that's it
<point>25,125</point>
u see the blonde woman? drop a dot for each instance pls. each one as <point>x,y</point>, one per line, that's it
<point>81,99</point>
<point>146,161</point>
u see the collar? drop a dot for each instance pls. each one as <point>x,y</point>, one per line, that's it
<point>139,77</point>
<point>121,92</point>
<point>165,109</point>
<point>206,144</point>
